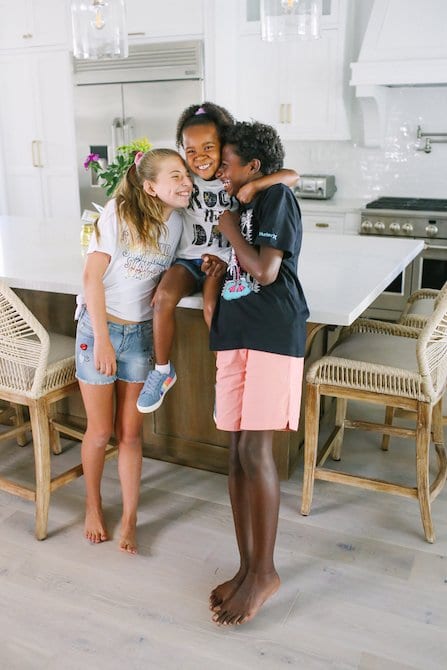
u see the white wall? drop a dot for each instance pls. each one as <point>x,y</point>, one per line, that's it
<point>396,169</point>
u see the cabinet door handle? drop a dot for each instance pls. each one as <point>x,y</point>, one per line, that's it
<point>289,113</point>
<point>27,36</point>
<point>35,153</point>
<point>322,225</point>
<point>136,34</point>
<point>39,157</point>
<point>281,113</point>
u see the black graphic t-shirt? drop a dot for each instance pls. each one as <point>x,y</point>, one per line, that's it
<point>265,318</point>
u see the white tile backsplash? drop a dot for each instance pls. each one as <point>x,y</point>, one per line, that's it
<point>396,168</point>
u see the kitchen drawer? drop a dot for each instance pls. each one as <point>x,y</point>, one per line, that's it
<point>323,223</point>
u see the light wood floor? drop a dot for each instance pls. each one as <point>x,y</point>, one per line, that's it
<point>361,589</point>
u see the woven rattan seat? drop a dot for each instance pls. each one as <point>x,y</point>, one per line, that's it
<point>37,369</point>
<point>390,364</point>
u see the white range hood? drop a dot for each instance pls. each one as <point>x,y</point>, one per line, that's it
<point>405,44</point>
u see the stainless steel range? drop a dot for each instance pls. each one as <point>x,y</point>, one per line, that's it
<point>421,218</point>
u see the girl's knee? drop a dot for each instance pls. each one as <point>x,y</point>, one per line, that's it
<point>164,300</point>
<point>131,442</point>
<point>98,439</point>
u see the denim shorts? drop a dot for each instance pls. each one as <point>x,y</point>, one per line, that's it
<point>193,265</point>
<point>133,349</point>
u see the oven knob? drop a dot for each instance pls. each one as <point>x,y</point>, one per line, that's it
<point>379,226</point>
<point>366,226</point>
<point>431,230</point>
<point>407,228</point>
<point>395,227</point>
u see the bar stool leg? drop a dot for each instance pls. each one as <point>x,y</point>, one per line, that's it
<point>340,416</point>
<point>389,416</point>
<point>312,418</point>
<point>41,441</point>
<point>423,435</point>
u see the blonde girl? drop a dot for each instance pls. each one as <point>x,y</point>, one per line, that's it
<point>136,240</point>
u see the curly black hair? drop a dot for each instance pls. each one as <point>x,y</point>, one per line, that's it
<point>256,140</point>
<point>206,112</point>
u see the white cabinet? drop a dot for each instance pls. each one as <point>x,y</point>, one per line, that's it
<point>155,19</point>
<point>33,23</point>
<point>328,217</point>
<point>300,87</point>
<point>323,223</point>
<point>37,134</point>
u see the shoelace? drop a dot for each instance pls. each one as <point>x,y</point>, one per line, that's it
<point>152,381</point>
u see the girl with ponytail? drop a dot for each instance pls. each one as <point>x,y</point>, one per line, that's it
<point>135,242</point>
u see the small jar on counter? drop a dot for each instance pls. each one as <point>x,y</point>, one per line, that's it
<point>88,219</point>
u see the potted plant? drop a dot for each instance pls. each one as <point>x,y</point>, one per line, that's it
<point>108,178</point>
<point>110,175</point>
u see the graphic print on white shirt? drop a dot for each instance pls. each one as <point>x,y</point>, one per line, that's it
<point>240,283</point>
<point>141,264</point>
<point>201,233</point>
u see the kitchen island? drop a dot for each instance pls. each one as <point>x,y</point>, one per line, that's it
<point>341,276</point>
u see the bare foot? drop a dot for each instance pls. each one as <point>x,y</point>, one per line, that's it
<point>128,540</point>
<point>245,603</point>
<point>225,590</point>
<point>95,528</point>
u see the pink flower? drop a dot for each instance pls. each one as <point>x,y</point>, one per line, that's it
<point>91,158</point>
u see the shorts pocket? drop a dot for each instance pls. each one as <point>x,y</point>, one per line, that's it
<point>85,325</point>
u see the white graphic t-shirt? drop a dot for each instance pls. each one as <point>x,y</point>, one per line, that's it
<point>133,272</point>
<point>200,233</point>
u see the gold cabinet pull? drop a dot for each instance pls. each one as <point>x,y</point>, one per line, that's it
<point>322,225</point>
<point>35,153</point>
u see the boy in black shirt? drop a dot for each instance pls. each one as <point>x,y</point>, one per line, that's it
<point>259,332</point>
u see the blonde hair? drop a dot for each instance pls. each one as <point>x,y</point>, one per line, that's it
<point>143,213</point>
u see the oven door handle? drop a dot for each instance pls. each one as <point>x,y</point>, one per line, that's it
<point>433,247</point>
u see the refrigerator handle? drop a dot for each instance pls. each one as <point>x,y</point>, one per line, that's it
<point>128,131</point>
<point>117,137</point>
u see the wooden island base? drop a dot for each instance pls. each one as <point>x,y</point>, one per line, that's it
<point>182,431</point>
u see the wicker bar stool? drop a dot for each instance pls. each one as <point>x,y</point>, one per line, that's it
<point>420,305</point>
<point>418,308</point>
<point>37,369</point>
<point>389,364</point>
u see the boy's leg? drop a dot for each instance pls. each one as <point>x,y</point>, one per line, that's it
<point>240,505</point>
<point>98,403</point>
<point>128,426</point>
<point>211,290</point>
<point>176,283</point>
<point>261,580</point>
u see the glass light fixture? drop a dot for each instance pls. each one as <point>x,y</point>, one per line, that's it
<point>290,20</point>
<point>99,29</point>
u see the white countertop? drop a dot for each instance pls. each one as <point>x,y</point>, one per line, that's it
<point>341,274</point>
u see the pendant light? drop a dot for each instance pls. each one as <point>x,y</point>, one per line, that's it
<point>99,29</point>
<point>290,20</point>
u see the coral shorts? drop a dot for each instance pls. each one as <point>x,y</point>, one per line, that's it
<point>256,390</point>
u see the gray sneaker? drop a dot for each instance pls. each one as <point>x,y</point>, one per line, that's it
<point>154,390</point>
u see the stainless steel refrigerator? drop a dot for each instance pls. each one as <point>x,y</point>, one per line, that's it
<point>141,96</point>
